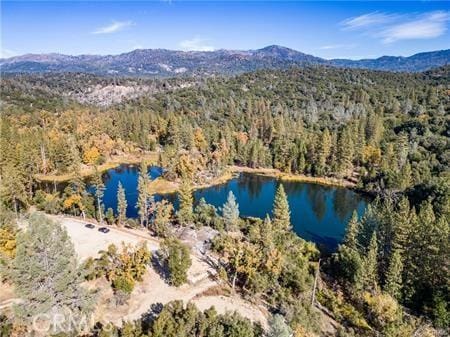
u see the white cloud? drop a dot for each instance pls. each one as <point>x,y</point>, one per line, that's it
<point>367,20</point>
<point>395,27</point>
<point>6,53</point>
<point>337,46</point>
<point>196,43</point>
<point>427,26</point>
<point>114,27</point>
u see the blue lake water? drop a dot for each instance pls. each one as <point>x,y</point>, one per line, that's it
<point>318,213</point>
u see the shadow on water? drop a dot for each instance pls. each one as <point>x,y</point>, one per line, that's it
<point>326,244</point>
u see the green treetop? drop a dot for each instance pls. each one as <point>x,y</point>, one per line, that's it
<point>121,204</point>
<point>185,213</point>
<point>230,212</point>
<point>46,274</point>
<point>281,212</point>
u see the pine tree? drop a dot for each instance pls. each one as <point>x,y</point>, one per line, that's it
<point>352,232</point>
<point>281,212</point>
<point>370,265</point>
<point>427,255</point>
<point>12,188</point>
<point>109,216</point>
<point>173,132</point>
<point>402,225</point>
<point>230,212</point>
<point>393,285</point>
<point>324,147</point>
<point>99,192</point>
<point>185,213</point>
<point>405,176</point>
<point>46,273</point>
<point>177,258</point>
<point>345,152</point>
<point>278,327</point>
<point>142,203</point>
<point>121,204</point>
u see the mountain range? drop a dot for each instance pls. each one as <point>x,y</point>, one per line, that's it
<point>170,63</point>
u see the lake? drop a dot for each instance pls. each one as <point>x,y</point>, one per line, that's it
<point>318,213</point>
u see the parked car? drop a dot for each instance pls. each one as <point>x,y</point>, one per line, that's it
<point>89,225</point>
<point>103,230</point>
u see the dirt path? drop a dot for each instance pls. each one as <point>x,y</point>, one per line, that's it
<point>154,290</point>
<point>225,304</point>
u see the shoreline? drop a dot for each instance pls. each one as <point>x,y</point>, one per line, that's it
<point>87,171</point>
<point>275,173</point>
<point>162,186</point>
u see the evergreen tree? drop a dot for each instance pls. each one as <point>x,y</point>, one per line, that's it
<point>324,147</point>
<point>402,224</point>
<point>352,232</point>
<point>130,329</point>
<point>278,327</point>
<point>230,212</point>
<point>406,176</point>
<point>348,257</point>
<point>177,258</point>
<point>121,204</point>
<point>345,152</point>
<point>142,203</point>
<point>185,213</point>
<point>12,187</point>
<point>99,192</point>
<point>427,255</point>
<point>370,265</point>
<point>393,285</point>
<point>162,215</point>
<point>281,212</point>
<point>109,215</point>
<point>46,275</point>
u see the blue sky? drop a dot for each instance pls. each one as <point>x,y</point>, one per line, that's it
<point>330,29</point>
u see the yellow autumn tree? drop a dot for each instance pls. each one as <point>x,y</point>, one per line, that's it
<point>199,140</point>
<point>73,200</point>
<point>7,242</point>
<point>186,166</point>
<point>91,156</point>
<point>371,155</point>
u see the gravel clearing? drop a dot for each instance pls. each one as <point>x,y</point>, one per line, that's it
<point>88,242</point>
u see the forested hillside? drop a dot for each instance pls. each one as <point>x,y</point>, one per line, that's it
<point>388,133</point>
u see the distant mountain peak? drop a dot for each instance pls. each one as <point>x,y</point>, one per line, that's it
<point>169,63</point>
<point>275,48</point>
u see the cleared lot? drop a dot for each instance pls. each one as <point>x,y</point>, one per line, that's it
<point>88,242</point>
